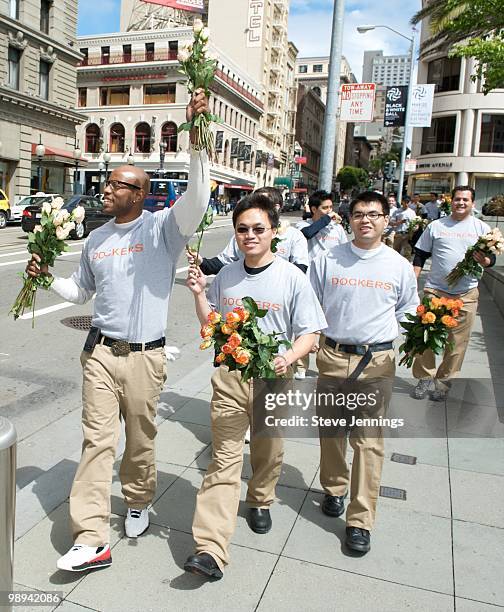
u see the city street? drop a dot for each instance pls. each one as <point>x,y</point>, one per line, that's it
<point>440,548</point>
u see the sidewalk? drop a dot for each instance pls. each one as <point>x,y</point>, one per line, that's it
<point>438,550</point>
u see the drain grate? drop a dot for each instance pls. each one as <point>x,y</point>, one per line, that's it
<point>408,459</point>
<point>393,493</point>
<point>82,323</point>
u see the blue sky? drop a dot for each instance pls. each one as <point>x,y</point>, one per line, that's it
<point>309,25</point>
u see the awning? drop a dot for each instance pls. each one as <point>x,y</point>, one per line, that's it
<point>238,186</point>
<point>59,155</point>
<point>300,190</point>
<point>283,180</point>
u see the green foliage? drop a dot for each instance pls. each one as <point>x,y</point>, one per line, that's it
<point>350,177</point>
<point>490,56</point>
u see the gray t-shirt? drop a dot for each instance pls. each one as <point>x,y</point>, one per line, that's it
<point>328,237</point>
<point>364,293</point>
<point>292,247</point>
<point>431,209</point>
<point>448,241</point>
<point>405,216</point>
<point>282,289</point>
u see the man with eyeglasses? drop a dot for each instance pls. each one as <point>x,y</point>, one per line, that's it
<point>365,289</point>
<point>292,310</point>
<point>130,264</point>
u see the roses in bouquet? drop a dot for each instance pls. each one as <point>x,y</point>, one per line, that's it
<point>416,224</point>
<point>239,342</point>
<point>200,69</point>
<point>48,241</point>
<point>491,243</point>
<point>430,327</point>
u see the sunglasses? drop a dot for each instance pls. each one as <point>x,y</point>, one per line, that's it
<point>257,231</point>
<point>115,185</point>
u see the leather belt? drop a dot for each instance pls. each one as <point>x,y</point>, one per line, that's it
<point>122,347</point>
<point>366,350</point>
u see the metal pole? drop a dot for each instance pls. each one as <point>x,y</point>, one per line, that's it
<point>76,177</point>
<point>406,119</point>
<point>7,504</point>
<point>39,174</point>
<point>330,118</point>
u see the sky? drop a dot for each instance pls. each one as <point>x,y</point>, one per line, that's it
<point>310,23</point>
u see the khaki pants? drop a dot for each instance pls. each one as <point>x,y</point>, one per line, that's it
<point>126,387</point>
<point>389,239</point>
<point>368,452</point>
<point>218,498</point>
<point>303,363</point>
<point>402,245</point>
<point>424,365</point>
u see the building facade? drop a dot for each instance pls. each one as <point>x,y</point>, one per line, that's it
<point>134,96</point>
<point>38,59</point>
<point>386,69</point>
<point>309,129</point>
<point>465,141</point>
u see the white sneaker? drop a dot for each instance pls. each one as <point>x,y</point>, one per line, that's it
<point>81,558</point>
<point>136,523</point>
<point>300,374</point>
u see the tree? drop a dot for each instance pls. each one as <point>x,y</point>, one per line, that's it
<point>377,164</point>
<point>350,177</point>
<point>468,28</point>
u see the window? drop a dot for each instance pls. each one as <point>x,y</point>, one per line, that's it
<point>84,60</point>
<point>445,74</point>
<point>116,138</point>
<point>126,53</point>
<point>159,94</point>
<point>92,138</point>
<point>492,134</point>
<point>45,14</point>
<point>14,9</point>
<point>44,70</point>
<point>149,52</point>
<point>169,136</point>
<point>303,69</point>
<point>114,96</point>
<point>105,55</point>
<point>440,136</point>
<point>316,90</point>
<point>173,49</point>
<point>318,67</point>
<point>14,66</point>
<point>82,99</point>
<point>143,138</point>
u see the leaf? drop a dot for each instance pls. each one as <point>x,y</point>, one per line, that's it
<point>250,305</point>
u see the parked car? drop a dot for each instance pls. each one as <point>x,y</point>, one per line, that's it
<point>34,200</point>
<point>4,209</point>
<point>95,217</point>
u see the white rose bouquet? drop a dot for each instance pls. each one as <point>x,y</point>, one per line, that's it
<point>199,68</point>
<point>48,241</point>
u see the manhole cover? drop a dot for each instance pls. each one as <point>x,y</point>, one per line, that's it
<point>82,323</point>
<point>393,493</point>
<point>398,458</point>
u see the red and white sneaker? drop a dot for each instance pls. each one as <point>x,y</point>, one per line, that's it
<point>81,558</point>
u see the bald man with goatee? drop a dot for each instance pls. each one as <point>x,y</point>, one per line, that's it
<point>130,264</point>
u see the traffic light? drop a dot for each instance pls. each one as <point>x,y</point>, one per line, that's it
<point>393,166</point>
<point>387,170</point>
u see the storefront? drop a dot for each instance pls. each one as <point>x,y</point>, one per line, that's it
<point>425,184</point>
<point>56,171</point>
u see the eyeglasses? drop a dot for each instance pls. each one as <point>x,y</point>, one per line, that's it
<point>257,231</point>
<point>115,185</point>
<point>372,215</point>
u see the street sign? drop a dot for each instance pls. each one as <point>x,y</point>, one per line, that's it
<point>395,106</point>
<point>410,165</point>
<point>357,102</point>
<point>421,105</point>
<point>300,160</point>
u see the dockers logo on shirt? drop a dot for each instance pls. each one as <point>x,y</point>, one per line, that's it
<point>134,248</point>
<point>367,283</point>
<point>230,301</point>
<point>445,234</point>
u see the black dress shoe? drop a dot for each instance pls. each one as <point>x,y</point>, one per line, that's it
<point>358,539</point>
<point>203,565</point>
<point>259,520</point>
<point>333,505</point>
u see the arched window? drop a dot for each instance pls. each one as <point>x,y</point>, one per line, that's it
<point>92,138</point>
<point>169,136</point>
<point>116,138</point>
<point>143,138</point>
<point>317,91</point>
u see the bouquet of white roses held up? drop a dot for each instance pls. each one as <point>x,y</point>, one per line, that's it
<point>206,222</point>
<point>200,69</point>
<point>48,241</point>
<point>491,243</point>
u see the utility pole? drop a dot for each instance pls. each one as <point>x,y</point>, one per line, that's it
<point>407,129</point>
<point>330,119</point>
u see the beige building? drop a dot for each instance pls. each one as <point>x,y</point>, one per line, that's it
<point>254,34</point>
<point>38,58</point>
<point>134,96</point>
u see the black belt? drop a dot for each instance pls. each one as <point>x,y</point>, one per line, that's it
<point>366,350</point>
<point>122,347</point>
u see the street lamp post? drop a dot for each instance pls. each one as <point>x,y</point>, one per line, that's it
<point>162,151</point>
<point>367,28</point>
<point>101,168</point>
<point>106,158</point>
<point>40,152</point>
<point>77,155</point>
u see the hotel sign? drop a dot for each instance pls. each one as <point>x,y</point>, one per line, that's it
<point>255,23</point>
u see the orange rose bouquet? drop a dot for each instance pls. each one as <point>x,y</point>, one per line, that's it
<point>239,342</point>
<point>430,327</point>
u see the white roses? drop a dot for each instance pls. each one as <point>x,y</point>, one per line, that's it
<point>63,231</point>
<point>78,214</point>
<point>57,203</point>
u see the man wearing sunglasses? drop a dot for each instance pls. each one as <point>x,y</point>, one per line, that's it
<point>365,289</point>
<point>292,310</point>
<point>130,264</point>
